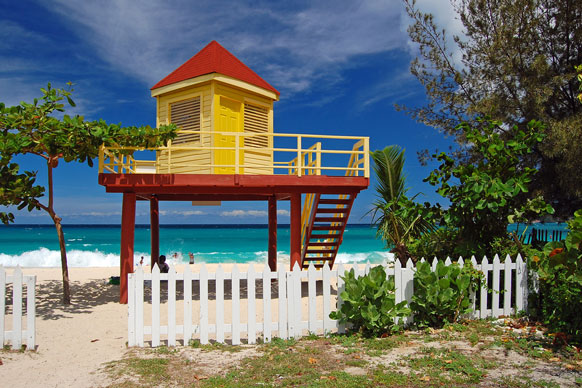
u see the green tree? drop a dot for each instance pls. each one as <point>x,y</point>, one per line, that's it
<point>514,63</point>
<point>32,128</point>
<point>488,193</point>
<point>398,218</point>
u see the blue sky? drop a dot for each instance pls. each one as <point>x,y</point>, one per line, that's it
<point>340,67</point>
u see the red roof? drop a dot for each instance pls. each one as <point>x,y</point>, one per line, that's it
<point>215,59</point>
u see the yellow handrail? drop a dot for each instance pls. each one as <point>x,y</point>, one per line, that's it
<point>304,159</point>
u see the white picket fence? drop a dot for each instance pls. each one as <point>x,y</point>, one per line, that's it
<point>299,306</point>
<point>18,334</point>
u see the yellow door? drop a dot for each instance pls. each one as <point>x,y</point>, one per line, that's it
<point>228,120</point>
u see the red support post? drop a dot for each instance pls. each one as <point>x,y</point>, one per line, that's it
<point>154,230</point>
<point>295,230</point>
<point>127,241</point>
<point>273,233</point>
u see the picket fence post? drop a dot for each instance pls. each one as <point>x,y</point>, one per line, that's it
<point>341,287</point>
<point>326,299</point>
<point>204,305</point>
<point>507,286</point>
<point>398,289</point>
<point>2,304</point>
<point>296,302</point>
<point>30,312</point>
<point>408,286</point>
<point>235,305</point>
<point>267,319</point>
<point>521,285</point>
<point>17,309</point>
<point>251,307</point>
<point>495,310</point>
<point>156,306</point>
<point>139,298</point>
<point>283,331</point>
<point>131,302</point>
<point>172,306</point>
<point>188,304</point>
<point>311,304</point>
<point>220,304</point>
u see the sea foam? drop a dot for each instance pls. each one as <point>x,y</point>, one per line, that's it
<point>44,257</point>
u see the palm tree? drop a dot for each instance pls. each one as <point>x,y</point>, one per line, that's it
<point>397,217</point>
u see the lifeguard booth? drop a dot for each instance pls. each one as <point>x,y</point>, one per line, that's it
<point>226,150</point>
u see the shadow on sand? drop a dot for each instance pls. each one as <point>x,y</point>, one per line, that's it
<point>259,291</point>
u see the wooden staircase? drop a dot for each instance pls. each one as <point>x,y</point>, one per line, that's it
<point>324,231</point>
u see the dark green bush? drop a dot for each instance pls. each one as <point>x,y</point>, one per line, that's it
<point>443,295</point>
<point>370,304</point>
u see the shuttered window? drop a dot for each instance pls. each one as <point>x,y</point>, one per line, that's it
<point>256,120</point>
<point>186,115</point>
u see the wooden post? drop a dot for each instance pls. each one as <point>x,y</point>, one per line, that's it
<point>295,226</point>
<point>127,240</point>
<point>154,230</point>
<point>273,233</point>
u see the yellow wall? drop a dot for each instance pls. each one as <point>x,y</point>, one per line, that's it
<point>255,158</point>
<point>211,93</point>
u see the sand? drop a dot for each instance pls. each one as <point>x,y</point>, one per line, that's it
<point>74,342</point>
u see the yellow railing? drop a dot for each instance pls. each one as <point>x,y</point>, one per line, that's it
<point>356,160</point>
<point>290,154</point>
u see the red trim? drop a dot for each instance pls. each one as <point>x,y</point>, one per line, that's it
<point>253,185</point>
<point>295,243</point>
<point>154,230</point>
<point>127,240</point>
<point>272,234</point>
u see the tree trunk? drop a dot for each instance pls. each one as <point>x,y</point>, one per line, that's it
<point>53,162</point>
<point>401,252</point>
<point>64,265</point>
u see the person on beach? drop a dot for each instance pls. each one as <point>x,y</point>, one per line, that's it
<point>164,267</point>
<point>191,255</point>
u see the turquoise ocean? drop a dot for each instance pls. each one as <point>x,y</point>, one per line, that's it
<point>98,245</point>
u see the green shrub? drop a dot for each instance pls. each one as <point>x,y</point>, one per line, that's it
<point>443,295</point>
<point>370,304</point>
<point>560,279</point>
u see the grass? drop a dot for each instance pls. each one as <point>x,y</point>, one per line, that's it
<point>457,355</point>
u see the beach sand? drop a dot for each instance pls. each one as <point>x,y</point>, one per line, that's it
<point>74,342</point>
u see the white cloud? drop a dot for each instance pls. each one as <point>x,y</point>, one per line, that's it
<point>291,46</point>
<point>244,213</point>
<point>283,212</point>
<point>184,213</point>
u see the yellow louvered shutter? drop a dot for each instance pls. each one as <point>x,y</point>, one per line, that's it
<point>186,115</point>
<point>256,120</point>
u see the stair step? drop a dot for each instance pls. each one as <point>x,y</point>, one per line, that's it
<point>320,258</point>
<point>333,210</point>
<point>334,201</point>
<point>318,266</point>
<point>327,227</point>
<point>329,219</point>
<point>315,251</point>
<point>323,244</point>
<point>324,236</point>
